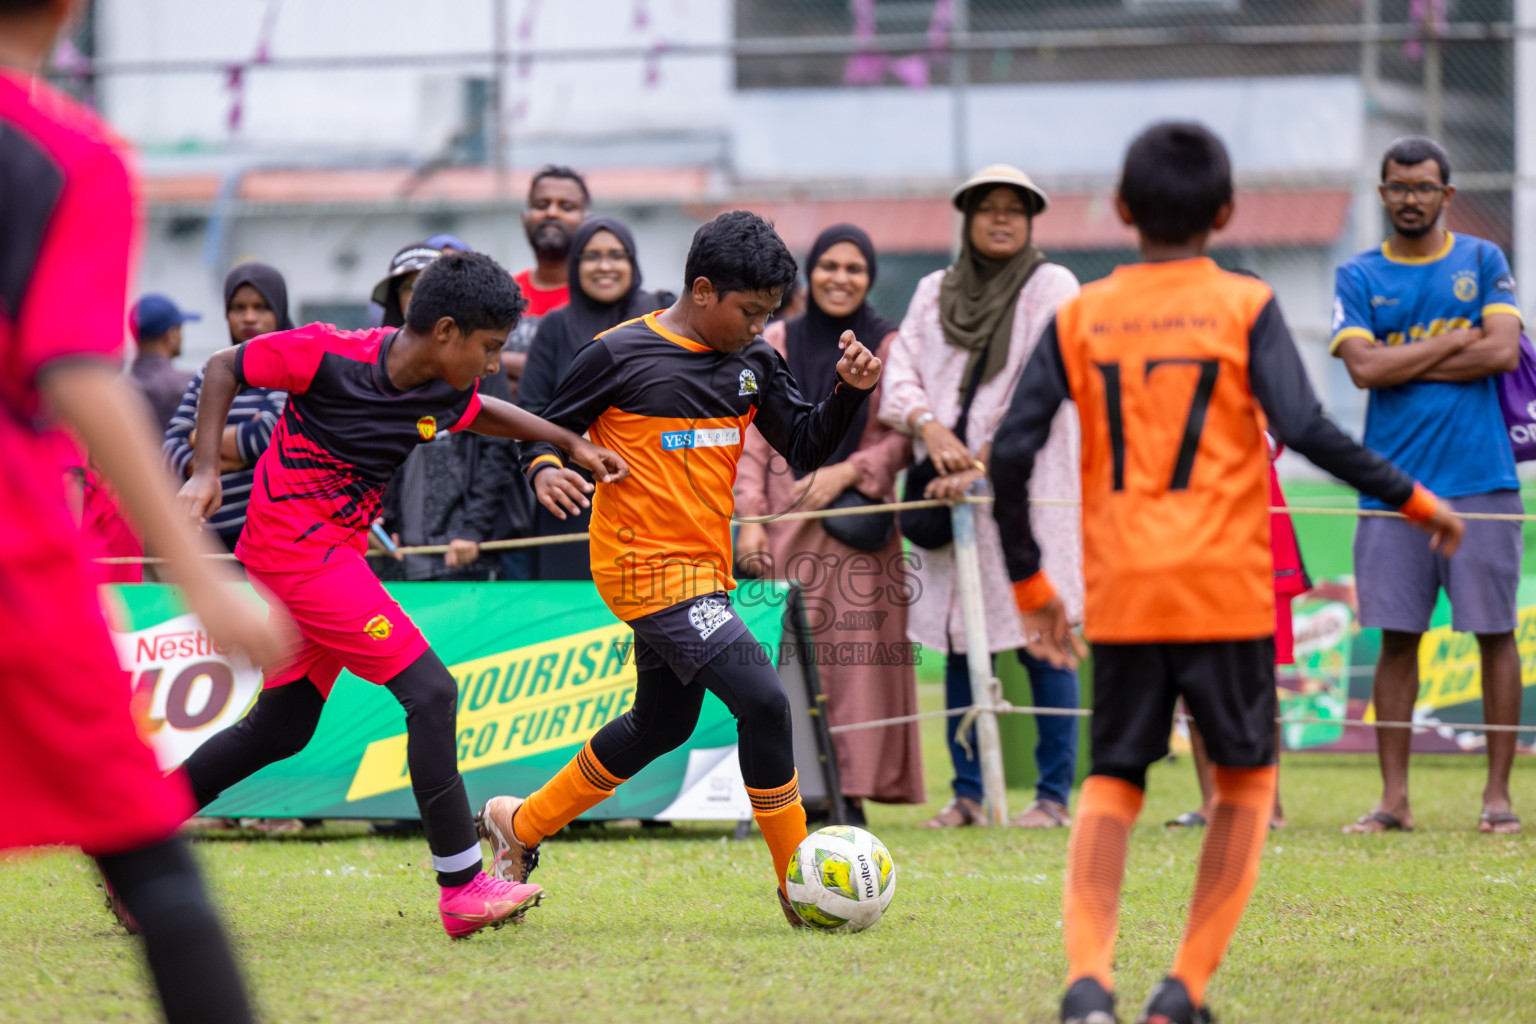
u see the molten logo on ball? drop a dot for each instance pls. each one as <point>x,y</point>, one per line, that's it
<point>841,878</point>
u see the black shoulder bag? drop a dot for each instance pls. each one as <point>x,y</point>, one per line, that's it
<point>869,531</point>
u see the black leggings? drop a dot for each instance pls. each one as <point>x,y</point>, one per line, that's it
<point>188,954</point>
<point>283,721</point>
<point>666,710</point>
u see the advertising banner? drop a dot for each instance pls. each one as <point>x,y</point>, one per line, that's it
<point>1335,666</point>
<point>540,668</point>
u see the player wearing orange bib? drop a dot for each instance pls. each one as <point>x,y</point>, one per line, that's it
<point>1175,367</point>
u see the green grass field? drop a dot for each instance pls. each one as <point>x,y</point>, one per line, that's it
<point>681,925</point>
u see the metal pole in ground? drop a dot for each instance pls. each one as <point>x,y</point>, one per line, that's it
<point>1525,144</point>
<point>984,687</point>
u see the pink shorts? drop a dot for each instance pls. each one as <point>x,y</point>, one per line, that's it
<point>76,769</point>
<point>346,620</point>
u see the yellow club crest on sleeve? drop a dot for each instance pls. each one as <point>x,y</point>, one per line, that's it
<point>379,627</point>
<point>427,427</point>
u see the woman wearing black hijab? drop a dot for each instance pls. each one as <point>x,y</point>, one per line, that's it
<point>861,596</point>
<point>605,291</point>
<point>255,302</point>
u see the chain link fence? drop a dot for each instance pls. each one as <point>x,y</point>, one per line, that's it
<point>325,136</point>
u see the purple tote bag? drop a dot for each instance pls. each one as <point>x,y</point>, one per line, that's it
<point>1517,399</point>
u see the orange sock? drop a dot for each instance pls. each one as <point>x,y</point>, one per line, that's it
<point>578,787</point>
<point>1229,865</point>
<point>781,816</point>
<point>1090,898</point>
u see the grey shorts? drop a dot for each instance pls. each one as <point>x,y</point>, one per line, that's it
<point>1398,579</point>
<point>687,636</point>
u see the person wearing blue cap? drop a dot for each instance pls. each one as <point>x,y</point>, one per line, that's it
<point>449,243</point>
<point>156,324</point>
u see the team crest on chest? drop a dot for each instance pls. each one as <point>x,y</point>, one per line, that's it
<point>427,427</point>
<point>746,383</point>
<point>1464,284</point>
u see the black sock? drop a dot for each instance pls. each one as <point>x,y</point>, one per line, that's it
<point>430,697</point>
<point>188,953</point>
<point>279,724</point>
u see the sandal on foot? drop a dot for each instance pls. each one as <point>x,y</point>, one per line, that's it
<point>1055,816</point>
<point>958,813</point>
<point>1189,819</point>
<point>1504,823</point>
<point>1387,822</point>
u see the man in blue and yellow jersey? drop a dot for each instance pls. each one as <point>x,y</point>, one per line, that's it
<point>1427,322</point>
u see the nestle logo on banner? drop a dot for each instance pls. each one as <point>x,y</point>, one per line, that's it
<point>720,437</point>
<point>189,643</point>
<point>1322,629</point>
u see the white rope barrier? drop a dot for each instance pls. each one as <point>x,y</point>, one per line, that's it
<point>829,513</point>
<point>968,713</point>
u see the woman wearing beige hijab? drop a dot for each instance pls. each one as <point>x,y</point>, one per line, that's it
<point>971,328</point>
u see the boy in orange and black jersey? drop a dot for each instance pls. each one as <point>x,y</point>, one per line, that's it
<point>675,392</point>
<point>1175,367</point>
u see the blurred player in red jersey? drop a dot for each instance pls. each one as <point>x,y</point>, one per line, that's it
<point>359,403</point>
<point>1290,581</point>
<point>75,769</point>
<point>1175,366</point>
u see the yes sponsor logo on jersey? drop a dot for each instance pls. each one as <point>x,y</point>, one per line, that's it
<point>704,437</point>
<point>707,615</point>
<point>746,383</point>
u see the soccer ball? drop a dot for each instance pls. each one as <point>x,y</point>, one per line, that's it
<point>841,878</point>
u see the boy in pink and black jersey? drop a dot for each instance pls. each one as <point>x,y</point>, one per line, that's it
<point>359,402</point>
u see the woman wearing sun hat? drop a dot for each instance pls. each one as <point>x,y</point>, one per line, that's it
<point>970,328</point>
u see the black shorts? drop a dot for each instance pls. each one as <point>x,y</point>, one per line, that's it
<point>1227,685</point>
<point>687,636</point>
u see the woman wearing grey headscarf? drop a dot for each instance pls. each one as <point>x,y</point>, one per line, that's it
<point>971,328</point>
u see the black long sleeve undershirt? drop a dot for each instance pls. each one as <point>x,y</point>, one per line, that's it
<point>1275,375</point>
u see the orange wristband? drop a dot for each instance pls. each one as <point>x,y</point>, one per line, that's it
<point>1421,505</point>
<point>1034,593</point>
<point>542,461</point>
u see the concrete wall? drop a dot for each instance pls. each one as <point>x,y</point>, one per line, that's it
<point>667,111</point>
<point>654,109</point>
<point>405,108</point>
<point>1297,125</point>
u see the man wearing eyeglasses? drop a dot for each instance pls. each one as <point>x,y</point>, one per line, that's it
<point>1427,322</point>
